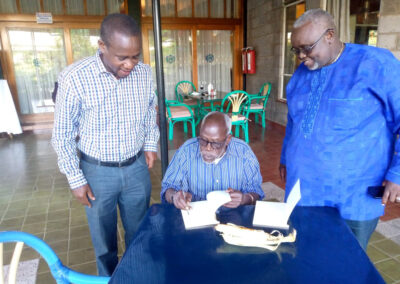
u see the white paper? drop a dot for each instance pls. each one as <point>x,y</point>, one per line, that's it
<point>202,213</point>
<point>276,214</point>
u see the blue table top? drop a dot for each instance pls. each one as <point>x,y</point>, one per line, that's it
<point>325,251</point>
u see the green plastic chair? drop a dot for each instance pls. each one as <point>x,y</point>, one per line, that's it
<point>258,103</point>
<point>182,90</point>
<point>236,105</point>
<point>179,112</point>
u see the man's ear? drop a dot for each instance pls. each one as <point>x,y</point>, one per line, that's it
<point>102,46</point>
<point>228,139</point>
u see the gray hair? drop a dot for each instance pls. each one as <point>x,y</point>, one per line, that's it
<point>228,121</point>
<point>317,17</point>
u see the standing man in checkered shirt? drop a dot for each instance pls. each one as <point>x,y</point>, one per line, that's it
<point>107,100</point>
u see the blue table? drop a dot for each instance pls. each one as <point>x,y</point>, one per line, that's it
<point>164,252</point>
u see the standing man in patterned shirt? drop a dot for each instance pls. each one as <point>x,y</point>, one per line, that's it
<point>343,118</point>
<point>105,135</point>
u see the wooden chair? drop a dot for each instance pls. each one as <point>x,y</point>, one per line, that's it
<point>61,273</point>
<point>179,112</point>
<point>258,103</point>
<point>182,90</point>
<point>236,104</point>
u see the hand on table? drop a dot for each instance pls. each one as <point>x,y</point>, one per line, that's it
<point>391,193</point>
<point>83,194</point>
<point>236,198</point>
<point>182,199</point>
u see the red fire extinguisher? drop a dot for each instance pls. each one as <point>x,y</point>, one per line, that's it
<point>248,60</point>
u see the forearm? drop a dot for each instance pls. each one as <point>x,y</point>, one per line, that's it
<point>250,198</point>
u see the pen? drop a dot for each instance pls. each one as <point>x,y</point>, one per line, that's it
<point>187,207</point>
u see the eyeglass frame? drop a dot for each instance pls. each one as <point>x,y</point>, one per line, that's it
<point>214,145</point>
<point>306,50</point>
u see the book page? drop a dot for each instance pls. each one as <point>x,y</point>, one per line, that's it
<point>276,214</point>
<point>202,213</point>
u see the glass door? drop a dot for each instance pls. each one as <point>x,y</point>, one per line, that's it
<point>38,57</point>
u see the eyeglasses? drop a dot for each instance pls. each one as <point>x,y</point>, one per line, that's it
<point>308,48</point>
<point>214,145</point>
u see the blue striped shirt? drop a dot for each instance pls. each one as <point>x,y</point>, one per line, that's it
<point>113,118</point>
<point>238,169</point>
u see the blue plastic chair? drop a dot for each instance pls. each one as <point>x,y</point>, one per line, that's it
<point>61,273</point>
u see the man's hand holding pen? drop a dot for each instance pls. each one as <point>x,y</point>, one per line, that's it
<point>181,199</point>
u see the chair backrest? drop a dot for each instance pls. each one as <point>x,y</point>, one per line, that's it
<point>182,89</point>
<point>236,102</point>
<point>263,94</point>
<point>61,273</point>
<point>265,89</point>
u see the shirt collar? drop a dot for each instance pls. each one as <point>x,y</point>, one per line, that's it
<point>100,64</point>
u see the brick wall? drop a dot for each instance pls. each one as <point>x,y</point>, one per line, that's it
<point>389,26</point>
<point>264,31</point>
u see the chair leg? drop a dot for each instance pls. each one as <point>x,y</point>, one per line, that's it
<point>263,119</point>
<point>171,131</point>
<point>246,133</point>
<point>237,131</point>
<point>185,129</point>
<point>256,117</point>
<point>193,128</point>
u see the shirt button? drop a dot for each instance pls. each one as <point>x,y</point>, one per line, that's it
<point>217,180</point>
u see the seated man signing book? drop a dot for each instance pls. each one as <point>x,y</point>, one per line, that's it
<point>213,161</point>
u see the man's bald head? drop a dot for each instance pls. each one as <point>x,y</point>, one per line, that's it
<point>218,120</point>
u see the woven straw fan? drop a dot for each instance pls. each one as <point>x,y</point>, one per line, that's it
<point>236,100</point>
<point>185,88</point>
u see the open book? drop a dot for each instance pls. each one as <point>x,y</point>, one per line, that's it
<point>276,214</point>
<point>202,213</point>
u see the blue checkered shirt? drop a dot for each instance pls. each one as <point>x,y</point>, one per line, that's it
<point>114,119</point>
<point>238,169</point>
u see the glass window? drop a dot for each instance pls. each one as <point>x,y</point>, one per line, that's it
<point>53,6</point>
<point>38,57</point>
<point>364,17</point>
<point>290,61</point>
<point>8,6</point>
<point>95,7</point>
<point>30,6</point>
<point>177,61</point>
<point>84,42</point>
<point>217,9</point>
<point>184,8</point>
<point>74,7</point>
<point>201,8</point>
<point>147,10</point>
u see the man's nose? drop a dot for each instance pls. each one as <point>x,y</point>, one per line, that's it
<point>130,63</point>
<point>301,55</point>
<point>209,148</point>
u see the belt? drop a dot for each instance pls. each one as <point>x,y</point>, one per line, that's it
<point>121,164</point>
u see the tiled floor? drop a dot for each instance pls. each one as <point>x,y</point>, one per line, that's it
<point>35,198</point>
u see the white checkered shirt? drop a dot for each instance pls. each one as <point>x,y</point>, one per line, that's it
<point>113,118</point>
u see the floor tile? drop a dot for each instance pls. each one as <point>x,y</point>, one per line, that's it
<point>390,268</point>
<point>388,247</point>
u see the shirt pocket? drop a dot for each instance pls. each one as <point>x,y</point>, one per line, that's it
<point>347,113</point>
